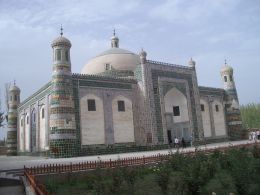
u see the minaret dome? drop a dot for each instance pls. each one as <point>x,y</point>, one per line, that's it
<point>192,63</point>
<point>143,55</point>
<point>114,40</point>
<point>61,49</point>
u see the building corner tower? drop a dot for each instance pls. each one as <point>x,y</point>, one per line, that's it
<point>233,117</point>
<point>62,108</point>
<point>13,102</point>
<point>198,133</point>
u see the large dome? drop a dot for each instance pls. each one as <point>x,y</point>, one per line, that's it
<point>114,58</point>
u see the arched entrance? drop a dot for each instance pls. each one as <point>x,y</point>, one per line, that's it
<point>176,115</point>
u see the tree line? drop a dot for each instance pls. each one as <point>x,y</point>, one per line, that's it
<point>250,114</point>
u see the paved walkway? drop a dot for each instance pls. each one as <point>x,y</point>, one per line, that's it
<point>12,190</point>
<point>18,162</point>
<point>11,187</point>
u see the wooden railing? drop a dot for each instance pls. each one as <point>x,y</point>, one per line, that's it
<point>135,161</point>
<point>38,188</point>
<point>60,168</point>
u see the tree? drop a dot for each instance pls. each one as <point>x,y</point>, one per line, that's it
<point>162,177</point>
<point>2,114</point>
<point>7,87</point>
<point>2,118</point>
<point>250,114</point>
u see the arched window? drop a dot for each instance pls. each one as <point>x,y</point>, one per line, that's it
<point>27,120</point>
<point>58,54</point>
<point>15,97</point>
<point>43,113</point>
<point>11,98</point>
<point>21,122</point>
<point>230,78</point>
<point>34,117</point>
<point>225,78</point>
<point>67,55</point>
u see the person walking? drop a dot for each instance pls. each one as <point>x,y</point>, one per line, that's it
<point>183,143</point>
<point>258,134</point>
<point>254,136</point>
<point>176,142</point>
<point>250,136</point>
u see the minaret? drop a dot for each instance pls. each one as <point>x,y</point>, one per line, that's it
<point>148,117</point>
<point>114,40</point>
<point>233,116</point>
<point>192,63</point>
<point>62,111</point>
<point>13,102</point>
<point>198,133</point>
<point>229,83</point>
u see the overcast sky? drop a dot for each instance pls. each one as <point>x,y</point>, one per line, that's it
<point>170,31</point>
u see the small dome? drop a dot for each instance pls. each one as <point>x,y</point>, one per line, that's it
<point>114,37</point>
<point>14,88</point>
<point>61,41</point>
<point>192,62</point>
<point>226,69</point>
<point>114,41</point>
<point>142,53</point>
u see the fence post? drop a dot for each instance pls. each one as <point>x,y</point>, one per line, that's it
<point>143,160</point>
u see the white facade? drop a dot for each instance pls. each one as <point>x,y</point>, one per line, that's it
<point>123,121</point>
<point>92,122</point>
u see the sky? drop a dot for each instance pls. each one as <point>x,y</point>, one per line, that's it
<point>172,31</point>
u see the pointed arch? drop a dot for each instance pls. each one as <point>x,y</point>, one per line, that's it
<point>92,120</point>
<point>174,101</point>
<point>219,118</point>
<point>42,127</point>
<point>206,118</point>
<point>123,119</point>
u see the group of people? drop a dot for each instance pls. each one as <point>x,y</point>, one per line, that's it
<point>254,135</point>
<point>177,142</point>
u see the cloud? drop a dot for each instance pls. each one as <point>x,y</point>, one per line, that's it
<point>50,12</point>
<point>196,11</point>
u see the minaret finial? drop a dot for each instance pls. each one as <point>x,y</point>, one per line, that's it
<point>61,30</point>
<point>114,32</point>
<point>14,82</point>
<point>225,61</point>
